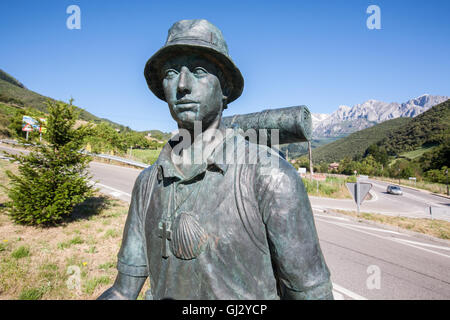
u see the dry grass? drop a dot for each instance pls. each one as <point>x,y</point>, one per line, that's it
<point>333,187</point>
<point>37,263</point>
<point>435,228</point>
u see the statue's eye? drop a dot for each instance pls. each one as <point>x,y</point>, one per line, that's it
<point>199,71</point>
<point>170,73</point>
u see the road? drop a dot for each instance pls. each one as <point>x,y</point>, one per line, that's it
<point>365,261</point>
<point>412,203</point>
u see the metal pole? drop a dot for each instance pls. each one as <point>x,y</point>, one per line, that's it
<point>27,135</point>
<point>358,195</point>
<point>446,173</point>
<point>310,161</point>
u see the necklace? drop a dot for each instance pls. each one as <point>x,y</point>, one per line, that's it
<point>181,231</point>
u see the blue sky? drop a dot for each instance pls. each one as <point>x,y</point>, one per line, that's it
<point>314,53</point>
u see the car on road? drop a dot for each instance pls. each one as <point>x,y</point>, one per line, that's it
<point>394,190</point>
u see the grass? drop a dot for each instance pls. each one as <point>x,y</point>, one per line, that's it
<point>332,187</point>
<point>32,293</point>
<point>93,283</point>
<point>21,252</point>
<point>416,153</point>
<point>145,155</point>
<point>112,233</point>
<point>36,263</point>
<point>435,228</point>
<point>69,243</point>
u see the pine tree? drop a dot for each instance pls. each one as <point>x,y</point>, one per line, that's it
<point>52,178</point>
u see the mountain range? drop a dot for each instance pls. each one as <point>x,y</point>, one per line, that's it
<point>346,120</point>
<point>416,135</point>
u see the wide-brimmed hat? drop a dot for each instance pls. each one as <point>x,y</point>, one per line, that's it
<point>201,37</point>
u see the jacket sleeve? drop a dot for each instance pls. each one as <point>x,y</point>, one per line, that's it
<point>297,258</point>
<point>132,257</point>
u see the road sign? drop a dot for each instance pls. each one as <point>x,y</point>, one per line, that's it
<point>302,170</point>
<point>359,190</point>
<point>363,187</point>
<point>29,124</point>
<point>27,127</point>
<point>42,128</point>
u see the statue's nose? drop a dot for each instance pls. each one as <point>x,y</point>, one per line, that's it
<point>185,81</point>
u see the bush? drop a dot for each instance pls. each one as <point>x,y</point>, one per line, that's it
<point>52,178</point>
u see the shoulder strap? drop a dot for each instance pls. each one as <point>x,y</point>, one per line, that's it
<point>250,217</point>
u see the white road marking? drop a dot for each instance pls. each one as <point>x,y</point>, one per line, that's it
<point>338,296</point>
<point>114,189</point>
<point>115,194</point>
<point>374,196</point>
<point>332,217</point>
<point>423,249</point>
<point>425,244</point>
<point>347,292</point>
<point>386,238</point>
<point>376,229</point>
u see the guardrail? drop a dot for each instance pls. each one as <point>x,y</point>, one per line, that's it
<point>15,142</point>
<point>119,159</point>
<point>103,156</point>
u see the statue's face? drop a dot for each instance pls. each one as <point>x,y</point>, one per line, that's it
<point>192,91</point>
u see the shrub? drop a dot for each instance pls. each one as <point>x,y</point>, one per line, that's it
<point>52,178</point>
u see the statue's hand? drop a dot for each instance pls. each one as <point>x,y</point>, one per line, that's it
<point>112,294</point>
<point>125,288</point>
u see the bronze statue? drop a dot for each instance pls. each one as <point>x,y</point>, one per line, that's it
<point>234,223</point>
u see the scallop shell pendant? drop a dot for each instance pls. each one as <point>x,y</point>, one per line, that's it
<point>188,238</point>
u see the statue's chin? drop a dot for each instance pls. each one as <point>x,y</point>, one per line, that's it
<point>187,117</point>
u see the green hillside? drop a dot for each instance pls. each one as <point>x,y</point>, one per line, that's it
<point>428,129</point>
<point>13,93</point>
<point>355,144</point>
<point>8,78</point>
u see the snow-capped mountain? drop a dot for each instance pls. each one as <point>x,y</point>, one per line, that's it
<point>346,120</point>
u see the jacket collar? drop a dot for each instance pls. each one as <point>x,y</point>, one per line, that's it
<point>215,159</point>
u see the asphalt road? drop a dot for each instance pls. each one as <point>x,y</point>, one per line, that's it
<point>412,203</point>
<point>365,261</point>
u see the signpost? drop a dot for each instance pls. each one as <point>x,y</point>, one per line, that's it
<point>359,190</point>
<point>30,124</point>
<point>27,128</point>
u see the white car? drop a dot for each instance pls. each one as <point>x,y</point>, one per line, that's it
<point>394,190</point>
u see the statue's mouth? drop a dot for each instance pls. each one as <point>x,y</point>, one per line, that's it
<point>186,105</point>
